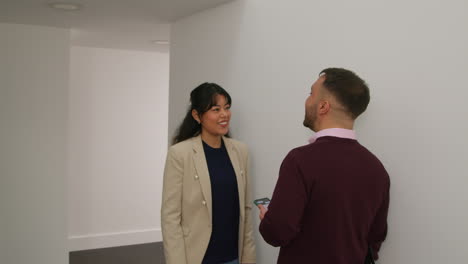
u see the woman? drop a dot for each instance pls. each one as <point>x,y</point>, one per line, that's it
<point>206,205</point>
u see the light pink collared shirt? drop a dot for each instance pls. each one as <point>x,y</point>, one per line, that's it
<point>334,132</point>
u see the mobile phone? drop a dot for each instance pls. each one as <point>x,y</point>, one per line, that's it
<point>263,201</point>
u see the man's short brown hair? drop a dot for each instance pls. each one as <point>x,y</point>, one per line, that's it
<point>348,88</point>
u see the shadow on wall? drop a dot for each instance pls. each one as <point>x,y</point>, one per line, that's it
<point>227,32</point>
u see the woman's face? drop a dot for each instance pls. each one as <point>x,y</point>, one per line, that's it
<point>215,121</point>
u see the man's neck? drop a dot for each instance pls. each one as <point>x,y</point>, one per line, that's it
<point>344,125</point>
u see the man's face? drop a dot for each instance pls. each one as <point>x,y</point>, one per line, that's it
<point>311,104</point>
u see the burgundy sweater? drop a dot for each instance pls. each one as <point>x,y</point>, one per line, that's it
<point>330,202</point>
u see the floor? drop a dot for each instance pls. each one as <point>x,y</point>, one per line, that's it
<point>151,253</point>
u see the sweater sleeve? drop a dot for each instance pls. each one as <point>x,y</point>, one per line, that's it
<point>378,231</point>
<point>282,221</point>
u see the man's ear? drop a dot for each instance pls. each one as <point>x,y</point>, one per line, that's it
<point>324,107</point>
<point>196,116</point>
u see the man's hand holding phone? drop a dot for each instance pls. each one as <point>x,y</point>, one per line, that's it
<point>262,204</point>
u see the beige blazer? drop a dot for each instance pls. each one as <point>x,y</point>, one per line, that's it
<point>186,211</point>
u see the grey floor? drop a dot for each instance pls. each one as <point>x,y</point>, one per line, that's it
<point>151,253</point>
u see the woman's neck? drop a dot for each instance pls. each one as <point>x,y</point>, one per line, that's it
<point>212,141</point>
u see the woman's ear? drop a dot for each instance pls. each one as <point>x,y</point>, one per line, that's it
<point>195,116</point>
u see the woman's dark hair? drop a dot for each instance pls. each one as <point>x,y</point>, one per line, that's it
<point>202,98</point>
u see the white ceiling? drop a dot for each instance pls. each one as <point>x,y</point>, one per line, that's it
<point>123,24</point>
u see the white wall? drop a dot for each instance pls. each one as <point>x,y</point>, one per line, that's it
<point>412,53</point>
<point>33,116</point>
<point>117,144</point>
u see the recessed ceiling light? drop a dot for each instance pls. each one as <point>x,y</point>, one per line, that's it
<point>160,42</point>
<point>65,6</point>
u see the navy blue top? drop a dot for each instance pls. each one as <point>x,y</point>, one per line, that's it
<point>223,246</point>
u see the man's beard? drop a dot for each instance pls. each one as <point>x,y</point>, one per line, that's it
<point>309,120</point>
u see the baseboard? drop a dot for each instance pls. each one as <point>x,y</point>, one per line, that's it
<point>116,239</point>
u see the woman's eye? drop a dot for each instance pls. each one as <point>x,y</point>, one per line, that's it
<point>216,109</point>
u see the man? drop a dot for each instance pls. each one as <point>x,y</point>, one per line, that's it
<point>331,199</point>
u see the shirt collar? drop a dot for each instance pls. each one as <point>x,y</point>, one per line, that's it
<point>334,132</point>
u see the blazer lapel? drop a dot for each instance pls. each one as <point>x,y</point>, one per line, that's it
<point>202,172</point>
<point>238,170</point>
